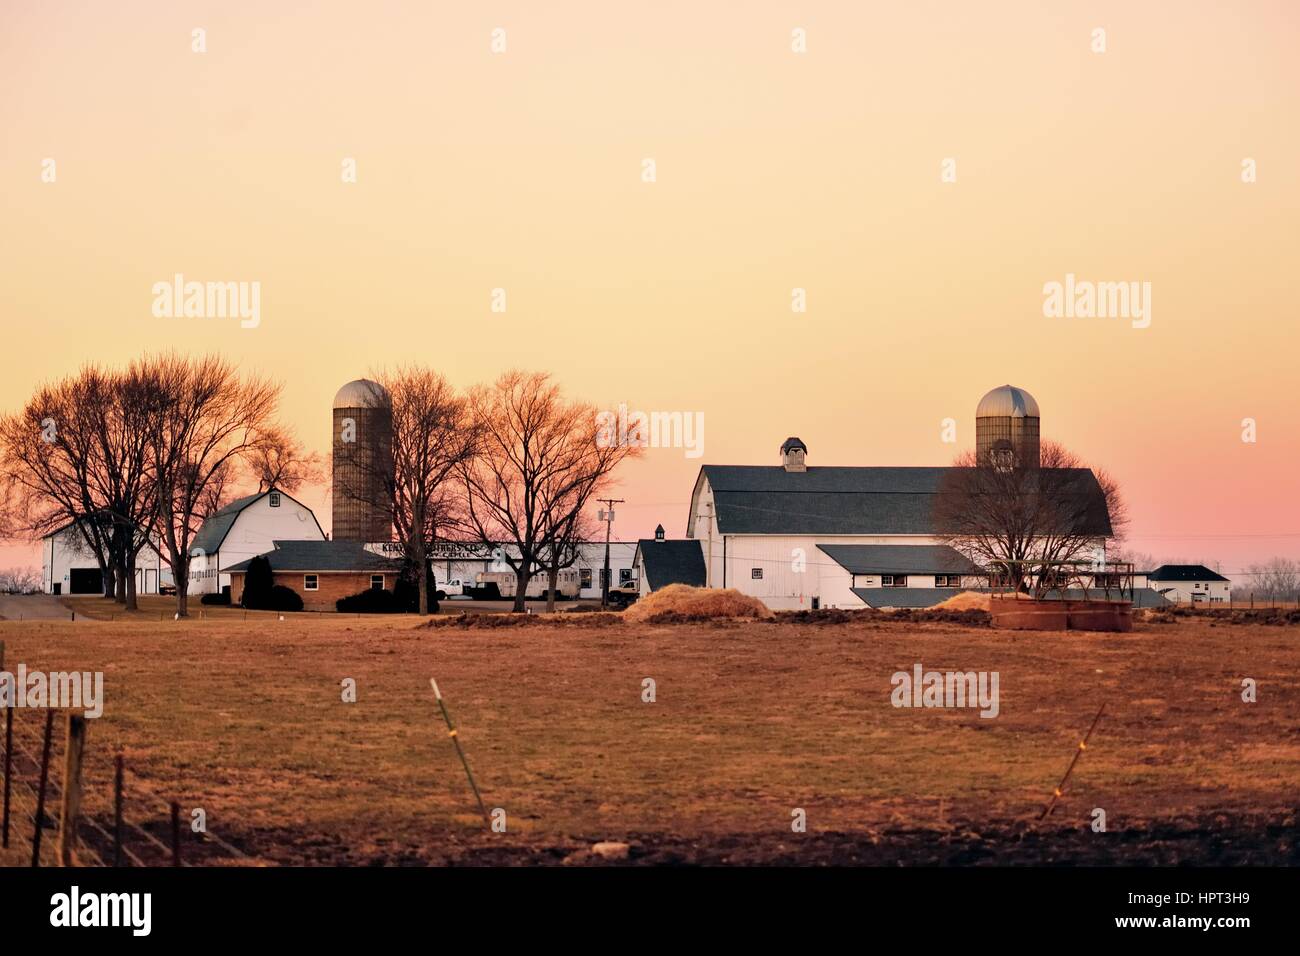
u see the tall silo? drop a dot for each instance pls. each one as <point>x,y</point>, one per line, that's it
<point>363,462</point>
<point>1006,427</point>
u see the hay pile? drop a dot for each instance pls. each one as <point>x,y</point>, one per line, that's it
<point>681,602</point>
<point>965,601</point>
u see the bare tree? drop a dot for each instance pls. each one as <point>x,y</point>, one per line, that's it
<point>63,462</point>
<point>280,461</point>
<point>26,580</point>
<point>540,461</point>
<point>1278,579</point>
<point>1028,522</point>
<point>213,422</point>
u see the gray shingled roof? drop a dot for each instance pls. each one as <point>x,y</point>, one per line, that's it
<point>906,597</point>
<point>219,523</point>
<point>672,562</point>
<point>767,499</point>
<point>323,556</point>
<point>899,559</point>
<point>1184,572</point>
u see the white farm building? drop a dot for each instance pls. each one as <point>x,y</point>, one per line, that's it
<point>244,529</point>
<point>798,536</point>
<point>69,565</point>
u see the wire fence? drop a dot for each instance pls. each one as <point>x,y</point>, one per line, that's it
<point>54,813</point>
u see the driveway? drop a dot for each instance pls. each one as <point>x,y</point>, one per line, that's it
<point>32,607</point>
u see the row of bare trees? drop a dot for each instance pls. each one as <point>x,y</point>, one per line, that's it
<point>138,457</point>
<point>513,466</point>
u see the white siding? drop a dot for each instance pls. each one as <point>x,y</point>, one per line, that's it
<point>66,550</point>
<point>254,532</point>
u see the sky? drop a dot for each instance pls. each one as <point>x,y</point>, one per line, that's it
<point>921,171</point>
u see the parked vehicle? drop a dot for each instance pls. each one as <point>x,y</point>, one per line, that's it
<point>567,585</point>
<point>624,594</point>
<point>456,587</point>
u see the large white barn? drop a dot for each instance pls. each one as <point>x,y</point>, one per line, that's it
<point>799,536</point>
<point>243,529</point>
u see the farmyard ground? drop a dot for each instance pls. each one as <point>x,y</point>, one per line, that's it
<point>751,721</point>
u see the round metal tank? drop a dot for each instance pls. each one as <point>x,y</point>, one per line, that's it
<point>1007,427</point>
<point>362,450</point>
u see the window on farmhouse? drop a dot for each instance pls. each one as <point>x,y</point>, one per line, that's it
<point>756,574</point>
<point>275,499</point>
<point>585,574</point>
<point>310,582</point>
<point>376,582</point>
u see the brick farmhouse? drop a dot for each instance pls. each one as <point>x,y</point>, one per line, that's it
<point>321,572</point>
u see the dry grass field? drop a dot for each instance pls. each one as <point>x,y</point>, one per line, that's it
<point>751,720</point>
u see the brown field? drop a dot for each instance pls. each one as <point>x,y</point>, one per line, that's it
<point>245,720</point>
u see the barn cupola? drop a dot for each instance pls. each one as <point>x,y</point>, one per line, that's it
<point>659,533</point>
<point>793,454</point>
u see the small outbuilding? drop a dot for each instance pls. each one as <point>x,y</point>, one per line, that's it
<point>659,563</point>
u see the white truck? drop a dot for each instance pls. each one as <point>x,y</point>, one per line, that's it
<point>456,587</point>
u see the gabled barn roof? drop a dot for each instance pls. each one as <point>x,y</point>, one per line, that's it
<point>218,524</point>
<point>671,562</point>
<point>767,499</point>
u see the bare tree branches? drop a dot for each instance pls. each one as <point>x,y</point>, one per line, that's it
<point>1028,520</point>
<point>540,463</point>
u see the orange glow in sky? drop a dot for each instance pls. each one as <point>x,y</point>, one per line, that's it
<point>775,170</point>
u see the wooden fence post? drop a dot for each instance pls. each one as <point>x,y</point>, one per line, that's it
<point>176,833</point>
<point>71,805</point>
<point>117,810</point>
<point>9,749</point>
<point>40,794</point>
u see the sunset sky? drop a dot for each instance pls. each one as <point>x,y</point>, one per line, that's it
<point>776,170</point>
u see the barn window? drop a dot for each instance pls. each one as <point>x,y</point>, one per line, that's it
<point>310,582</point>
<point>376,582</point>
<point>893,580</point>
<point>756,574</point>
<point>947,581</point>
<point>275,499</point>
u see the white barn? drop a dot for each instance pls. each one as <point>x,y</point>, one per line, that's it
<point>244,529</point>
<point>800,537</point>
<point>69,566</point>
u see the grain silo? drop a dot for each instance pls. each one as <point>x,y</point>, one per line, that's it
<point>1006,427</point>
<point>363,462</point>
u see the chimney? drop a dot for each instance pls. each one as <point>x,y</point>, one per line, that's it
<point>793,453</point>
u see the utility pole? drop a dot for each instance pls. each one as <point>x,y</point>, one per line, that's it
<point>708,564</point>
<point>607,516</point>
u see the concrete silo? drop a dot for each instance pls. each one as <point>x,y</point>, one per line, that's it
<point>1006,427</point>
<point>363,462</point>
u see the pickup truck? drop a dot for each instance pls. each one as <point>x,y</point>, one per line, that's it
<point>456,587</point>
<point>622,595</point>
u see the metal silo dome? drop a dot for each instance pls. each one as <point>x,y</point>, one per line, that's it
<point>1007,401</point>
<point>1006,428</point>
<point>361,393</point>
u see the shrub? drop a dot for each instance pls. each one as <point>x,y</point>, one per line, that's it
<point>257,584</point>
<point>375,601</point>
<point>222,599</point>
<point>283,598</point>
